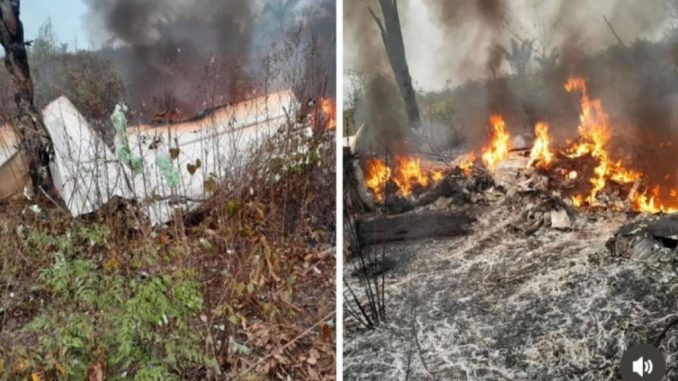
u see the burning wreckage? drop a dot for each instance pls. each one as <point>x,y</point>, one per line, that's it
<point>163,167</point>
<point>515,262</point>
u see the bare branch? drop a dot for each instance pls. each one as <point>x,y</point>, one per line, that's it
<point>613,31</point>
<point>378,21</point>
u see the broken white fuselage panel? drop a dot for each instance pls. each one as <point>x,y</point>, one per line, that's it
<point>88,173</point>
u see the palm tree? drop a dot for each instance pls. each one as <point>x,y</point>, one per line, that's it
<point>520,55</point>
<point>548,62</point>
<point>282,11</point>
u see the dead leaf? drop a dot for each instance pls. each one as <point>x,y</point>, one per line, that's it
<point>36,377</point>
<point>261,216</point>
<point>174,152</point>
<point>326,332</point>
<point>164,239</point>
<point>96,371</point>
<point>210,185</point>
<point>193,167</point>
<point>312,374</point>
<point>20,366</point>
<point>111,264</point>
<point>61,369</point>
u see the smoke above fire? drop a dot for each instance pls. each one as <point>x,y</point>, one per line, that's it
<point>188,55</point>
<point>162,47</point>
<point>451,41</point>
<point>208,25</point>
<point>460,54</point>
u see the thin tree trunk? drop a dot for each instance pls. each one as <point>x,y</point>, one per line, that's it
<point>34,137</point>
<point>392,36</point>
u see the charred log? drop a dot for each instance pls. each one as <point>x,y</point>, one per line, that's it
<point>35,140</point>
<point>415,225</point>
<point>397,204</point>
<point>451,186</point>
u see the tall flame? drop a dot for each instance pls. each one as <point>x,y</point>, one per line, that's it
<point>498,149</point>
<point>541,154</point>
<point>594,134</point>
<point>377,175</point>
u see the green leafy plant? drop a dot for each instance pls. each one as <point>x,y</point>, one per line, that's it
<point>139,328</point>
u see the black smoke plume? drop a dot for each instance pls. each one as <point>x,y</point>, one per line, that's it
<point>164,48</point>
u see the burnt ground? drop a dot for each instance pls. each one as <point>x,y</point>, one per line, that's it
<point>500,305</point>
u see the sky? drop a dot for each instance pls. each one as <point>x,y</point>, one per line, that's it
<point>67,19</point>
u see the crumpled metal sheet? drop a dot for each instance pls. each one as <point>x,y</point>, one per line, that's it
<point>87,173</point>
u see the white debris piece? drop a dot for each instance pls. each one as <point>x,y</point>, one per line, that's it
<point>177,159</point>
<point>560,219</point>
<point>85,171</point>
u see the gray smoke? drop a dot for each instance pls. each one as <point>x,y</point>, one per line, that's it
<point>453,40</point>
<point>164,50</point>
<point>366,54</point>
<point>461,45</point>
<point>187,55</point>
<point>218,26</point>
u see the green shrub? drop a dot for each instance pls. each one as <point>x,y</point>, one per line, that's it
<point>139,327</point>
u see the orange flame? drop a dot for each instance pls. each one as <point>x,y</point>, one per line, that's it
<point>655,202</point>
<point>407,173</point>
<point>376,177</point>
<point>594,134</point>
<point>577,200</point>
<point>466,165</point>
<point>541,154</point>
<point>498,149</point>
<point>328,108</point>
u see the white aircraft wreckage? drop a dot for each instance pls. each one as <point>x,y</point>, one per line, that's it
<point>162,167</point>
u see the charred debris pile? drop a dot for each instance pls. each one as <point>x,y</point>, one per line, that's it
<point>540,182</point>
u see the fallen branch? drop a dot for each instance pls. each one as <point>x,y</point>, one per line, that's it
<point>407,226</point>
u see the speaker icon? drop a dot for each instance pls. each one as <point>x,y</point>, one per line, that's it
<point>642,362</point>
<point>641,367</point>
